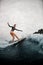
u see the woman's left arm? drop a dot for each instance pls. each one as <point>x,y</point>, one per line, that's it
<point>18,30</point>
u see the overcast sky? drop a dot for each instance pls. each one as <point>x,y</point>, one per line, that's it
<point>27,14</point>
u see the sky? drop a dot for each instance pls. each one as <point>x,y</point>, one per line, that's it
<point>27,14</point>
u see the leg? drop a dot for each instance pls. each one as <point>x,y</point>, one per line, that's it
<point>12,34</point>
<point>13,37</point>
<point>16,36</point>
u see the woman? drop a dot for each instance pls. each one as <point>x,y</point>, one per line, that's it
<point>12,33</point>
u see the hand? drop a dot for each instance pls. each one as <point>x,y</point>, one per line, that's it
<point>7,23</point>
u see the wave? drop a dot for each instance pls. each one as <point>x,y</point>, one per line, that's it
<point>30,47</point>
<point>35,41</point>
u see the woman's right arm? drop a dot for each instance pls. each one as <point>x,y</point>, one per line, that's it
<point>9,25</point>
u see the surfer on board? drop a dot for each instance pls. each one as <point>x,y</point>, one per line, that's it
<point>12,33</point>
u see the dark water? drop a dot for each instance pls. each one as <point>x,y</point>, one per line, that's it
<point>29,50</point>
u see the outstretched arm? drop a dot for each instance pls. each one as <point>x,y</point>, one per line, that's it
<point>18,30</point>
<point>9,25</point>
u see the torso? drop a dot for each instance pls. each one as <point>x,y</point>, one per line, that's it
<point>12,29</point>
